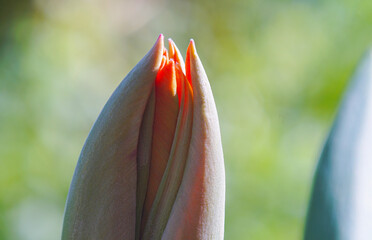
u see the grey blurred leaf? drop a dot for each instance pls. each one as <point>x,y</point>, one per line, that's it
<point>341,201</point>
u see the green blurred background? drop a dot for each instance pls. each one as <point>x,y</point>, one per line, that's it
<point>277,70</point>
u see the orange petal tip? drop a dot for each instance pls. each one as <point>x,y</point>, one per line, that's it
<point>192,48</point>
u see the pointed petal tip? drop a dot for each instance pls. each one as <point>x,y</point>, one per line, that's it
<point>171,48</point>
<point>192,45</point>
<point>192,49</point>
<point>171,44</point>
<point>157,52</point>
<point>159,44</point>
<point>160,41</point>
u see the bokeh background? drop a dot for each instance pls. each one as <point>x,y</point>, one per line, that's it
<point>277,69</point>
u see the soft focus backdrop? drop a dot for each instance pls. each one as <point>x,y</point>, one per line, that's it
<point>277,70</point>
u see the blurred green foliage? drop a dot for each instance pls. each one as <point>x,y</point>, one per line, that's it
<point>277,69</point>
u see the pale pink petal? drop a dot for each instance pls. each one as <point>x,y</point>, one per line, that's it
<point>198,212</point>
<point>102,199</point>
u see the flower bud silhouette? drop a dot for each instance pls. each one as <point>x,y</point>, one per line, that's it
<point>152,165</point>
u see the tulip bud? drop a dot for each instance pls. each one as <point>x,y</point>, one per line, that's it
<point>152,165</point>
<point>341,201</point>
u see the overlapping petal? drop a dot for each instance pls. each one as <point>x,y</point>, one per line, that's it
<point>101,203</point>
<point>152,166</point>
<point>198,212</point>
